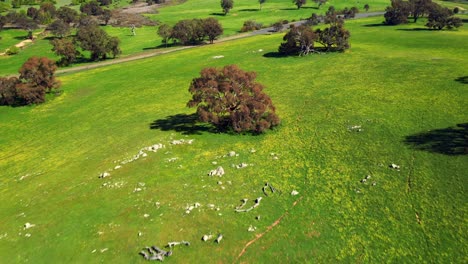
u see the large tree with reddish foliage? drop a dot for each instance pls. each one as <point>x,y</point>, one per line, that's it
<point>39,72</point>
<point>229,98</point>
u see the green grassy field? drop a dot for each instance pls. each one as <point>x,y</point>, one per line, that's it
<point>147,38</point>
<point>395,82</point>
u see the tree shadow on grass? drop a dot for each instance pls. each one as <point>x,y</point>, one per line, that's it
<point>274,55</point>
<point>416,29</point>
<point>377,25</point>
<point>217,14</point>
<point>160,46</point>
<point>463,79</point>
<point>450,141</point>
<point>295,8</point>
<point>183,123</point>
<point>249,10</point>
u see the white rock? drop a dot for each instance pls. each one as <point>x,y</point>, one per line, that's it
<point>28,225</point>
<point>207,237</point>
<point>117,167</point>
<point>252,228</point>
<point>232,153</point>
<point>27,235</point>
<point>294,192</point>
<point>104,174</point>
<point>146,215</point>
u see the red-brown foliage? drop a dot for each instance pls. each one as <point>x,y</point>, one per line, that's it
<point>230,98</point>
<point>39,72</point>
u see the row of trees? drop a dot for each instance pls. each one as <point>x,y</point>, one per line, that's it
<point>438,16</point>
<point>300,40</point>
<point>89,36</point>
<point>191,31</point>
<point>35,80</point>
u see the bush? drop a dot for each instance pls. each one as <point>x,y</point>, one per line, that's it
<point>13,50</point>
<point>278,26</point>
<point>250,25</point>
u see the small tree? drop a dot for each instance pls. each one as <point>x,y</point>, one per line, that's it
<point>366,7</point>
<point>67,14</point>
<point>250,25</point>
<point>65,48</point>
<point>183,30</point>
<point>440,17</point>
<point>320,2</point>
<point>91,8</point>
<point>299,3</point>
<point>261,2</point>
<point>299,40</point>
<point>212,28</point>
<point>39,72</point>
<point>419,7</point>
<point>165,32</point>
<point>59,28</point>
<point>314,20</point>
<point>334,37</point>
<point>229,98</point>
<point>227,5</point>
<point>32,12</point>
<point>94,39</point>
<point>106,16</point>
<point>397,13</point>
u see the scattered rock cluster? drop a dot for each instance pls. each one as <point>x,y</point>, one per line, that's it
<point>155,253</point>
<point>217,172</point>
<point>189,208</point>
<point>244,202</point>
<point>355,128</point>
<point>141,153</point>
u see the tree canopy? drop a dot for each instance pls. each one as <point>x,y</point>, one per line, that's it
<point>229,98</point>
<point>35,80</point>
<point>227,5</point>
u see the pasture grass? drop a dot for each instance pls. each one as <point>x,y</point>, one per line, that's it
<point>147,38</point>
<point>394,82</point>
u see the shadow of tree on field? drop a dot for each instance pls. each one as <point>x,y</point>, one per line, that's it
<point>249,10</point>
<point>416,29</point>
<point>274,55</point>
<point>377,25</point>
<point>463,79</point>
<point>295,8</point>
<point>217,14</point>
<point>449,141</point>
<point>186,124</point>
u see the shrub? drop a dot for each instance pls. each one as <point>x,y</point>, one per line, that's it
<point>13,50</point>
<point>250,25</point>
